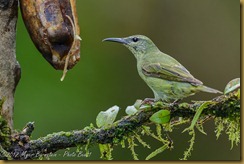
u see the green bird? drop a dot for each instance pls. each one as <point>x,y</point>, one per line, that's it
<point>168,79</point>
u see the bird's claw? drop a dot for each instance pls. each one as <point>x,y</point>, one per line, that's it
<point>176,102</point>
<point>148,101</point>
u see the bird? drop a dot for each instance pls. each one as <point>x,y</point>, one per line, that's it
<point>168,79</point>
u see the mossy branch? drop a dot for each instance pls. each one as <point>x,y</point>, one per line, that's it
<point>225,106</point>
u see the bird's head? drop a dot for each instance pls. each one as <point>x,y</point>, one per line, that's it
<point>139,45</point>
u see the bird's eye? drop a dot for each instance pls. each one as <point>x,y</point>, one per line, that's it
<point>135,39</point>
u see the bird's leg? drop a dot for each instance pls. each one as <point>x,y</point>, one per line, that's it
<point>148,101</point>
<point>176,102</point>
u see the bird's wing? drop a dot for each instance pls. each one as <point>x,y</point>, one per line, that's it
<point>169,72</point>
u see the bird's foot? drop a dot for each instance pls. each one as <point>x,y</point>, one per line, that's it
<point>148,101</point>
<point>176,102</point>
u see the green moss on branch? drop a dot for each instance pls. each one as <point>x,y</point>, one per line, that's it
<point>221,107</point>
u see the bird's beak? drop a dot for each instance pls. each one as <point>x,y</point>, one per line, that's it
<point>118,40</point>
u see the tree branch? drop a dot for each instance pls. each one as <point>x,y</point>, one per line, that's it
<point>222,106</point>
<point>9,67</point>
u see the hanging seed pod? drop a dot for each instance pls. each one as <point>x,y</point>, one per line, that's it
<point>53,27</point>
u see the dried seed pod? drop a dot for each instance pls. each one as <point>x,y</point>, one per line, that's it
<point>53,27</point>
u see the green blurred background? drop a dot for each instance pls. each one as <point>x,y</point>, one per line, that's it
<point>203,35</point>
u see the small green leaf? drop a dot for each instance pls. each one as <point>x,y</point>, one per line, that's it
<point>130,110</point>
<point>232,85</point>
<point>160,117</point>
<point>137,104</point>
<point>146,107</point>
<point>106,118</point>
<point>238,94</point>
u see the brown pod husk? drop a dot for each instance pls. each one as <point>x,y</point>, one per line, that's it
<point>53,27</point>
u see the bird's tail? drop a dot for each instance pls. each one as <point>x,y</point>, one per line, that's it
<point>208,89</point>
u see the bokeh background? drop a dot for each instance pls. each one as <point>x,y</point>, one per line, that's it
<point>203,35</point>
